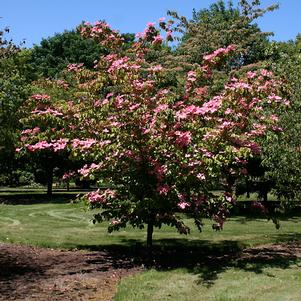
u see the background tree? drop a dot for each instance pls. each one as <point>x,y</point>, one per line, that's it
<point>15,78</point>
<point>282,155</point>
<point>219,26</point>
<point>53,54</point>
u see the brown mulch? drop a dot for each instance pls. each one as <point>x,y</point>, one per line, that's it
<point>28,273</point>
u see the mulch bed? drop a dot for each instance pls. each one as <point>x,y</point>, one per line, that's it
<point>28,273</point>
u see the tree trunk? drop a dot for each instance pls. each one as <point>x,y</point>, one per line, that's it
<point>49,180</point>
<point>149,241</point>
<point>248,188</point>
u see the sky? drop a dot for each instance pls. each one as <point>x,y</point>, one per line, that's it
<point>32,20</point>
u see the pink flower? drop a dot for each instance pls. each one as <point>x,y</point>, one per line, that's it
<point>183,205</point>
<point>75,67</point>
<point>183,138</point>
<point>87,170</point>
<point>201,176</point>
<point>157,40</point>
<point>47,111</point>
<point>163,189</point>
<point>251,74</point>
<point>68,175</point>
<point>39,146</point>
<point>212,105</point>
<point>259,205</point>
<point>210,58</point>
<point>160,108</point>
<point>191,76</point>
<point>266,73</point>
<point>275,98</point>
<point>156,68</point>
<point>83,144</point>
<point>40,97</point>
<point>101,197</point>
<point>150,24</point>
<point>59,144</point>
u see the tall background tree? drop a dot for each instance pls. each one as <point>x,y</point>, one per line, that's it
<point>219,26</point>
<point>282,155</point>
<point>15,78</point>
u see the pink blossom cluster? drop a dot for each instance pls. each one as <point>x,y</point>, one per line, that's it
<point>102,33</point>
<point>191,76</point>
<point>162,107</point>
<point>226,125</point>
<point>211,58</point>
<point>152,35</point>
<point>47,111</point>
<point>141,85</point>
<point>253,146</point>
<point>258,130</point>
<point>183,202</point>
<point>259,206</point>
<point>40,97</point>
<point>163,189</point>
<point>86,170</point>
<point>75,67</point>
<point>83,144</point>
<point>122,63</point>
<point>101,196</point>
<point>56,146</point>
<point>210,107</point>
<point>62,83</point>
<point>59,144</point>
<point>30,131</point>
<point>159,170</point>
<point>183,138</point>
<point>68,175</point>
<point>156,68</point>
<point>238,85</point>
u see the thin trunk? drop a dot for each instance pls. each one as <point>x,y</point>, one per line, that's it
<point>49,180</point>
<point>248,188</point>
<point>149,241</point>
<point>68,186</point>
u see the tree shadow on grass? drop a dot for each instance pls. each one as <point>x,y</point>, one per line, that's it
<point>37,198</point>
<point>205,258</point>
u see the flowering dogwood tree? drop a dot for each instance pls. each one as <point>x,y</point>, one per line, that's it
<point>159,151</point>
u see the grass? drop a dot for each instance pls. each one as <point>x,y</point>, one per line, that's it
<point>188,268</point>
<point>67,225</point>
<point>233,284</point>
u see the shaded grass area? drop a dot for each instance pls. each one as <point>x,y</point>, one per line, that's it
<point>202,266</point>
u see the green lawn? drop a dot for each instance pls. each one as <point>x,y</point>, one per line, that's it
<point>191,269</point>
